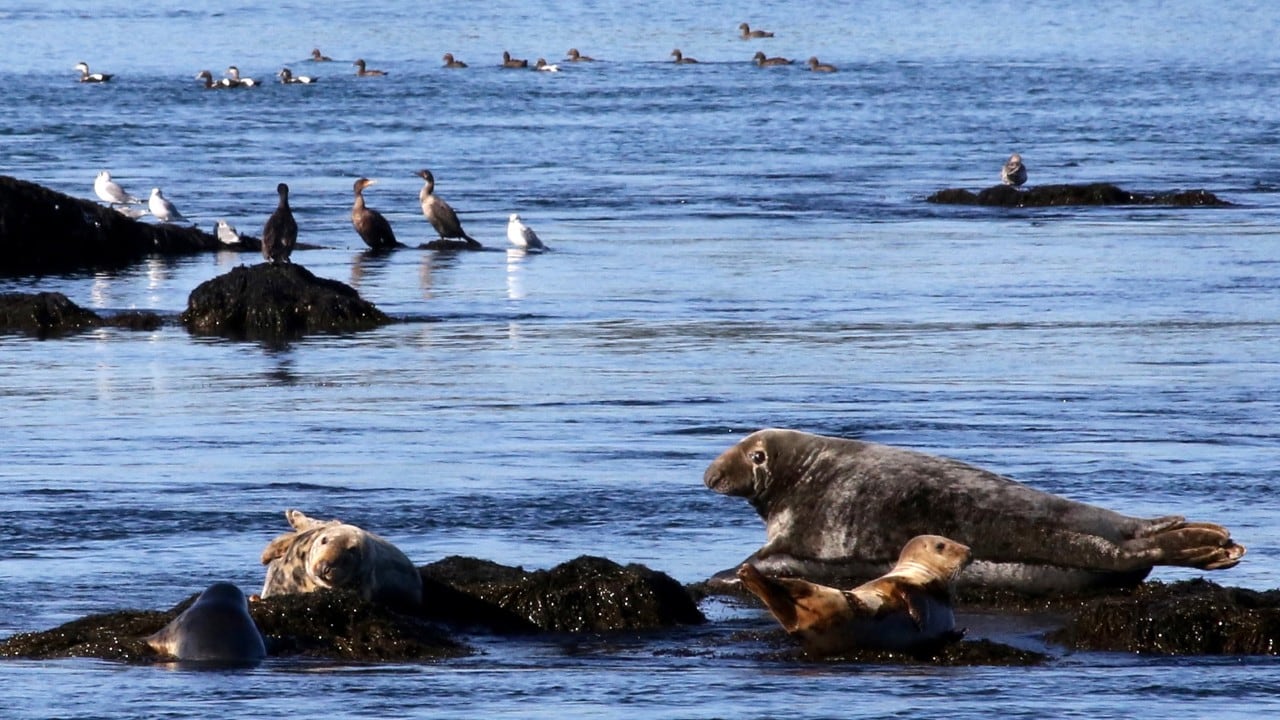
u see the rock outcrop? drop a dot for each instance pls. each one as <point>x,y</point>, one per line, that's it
<point>50,314</point>
<point>268,301</point>
<point>1065,195</point>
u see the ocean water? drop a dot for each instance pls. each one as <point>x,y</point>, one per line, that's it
<point>733,248</point>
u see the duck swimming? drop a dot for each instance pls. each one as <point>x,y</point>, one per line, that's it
<point>575,56</point>
<point>439,214</point>
<point>680,59</point>
<point>747,33</point>
<point>542,65</point>
<point>510,62</point>
<point>816,66</point>
<point>288,78</point>
<point>449,62</point>
<point>370,225</point>
<point>209,84</point>
<point>316,56</point>
<point>280,233</point>
<point>88,77</point>
<point>362,72</point>
<point>762,61</point>
<point>234,79</point>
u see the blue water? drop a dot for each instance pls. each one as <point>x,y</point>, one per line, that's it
<point>733,248</point>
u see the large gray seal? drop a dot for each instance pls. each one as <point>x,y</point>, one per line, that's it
<point>216,628</point>
<point>333,554</point>
<point>838,510</point>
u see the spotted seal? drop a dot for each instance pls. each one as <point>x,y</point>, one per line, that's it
<point>837,510</point>
<point>332,554</point>
<point>907,610</point>
<point>216,628</point>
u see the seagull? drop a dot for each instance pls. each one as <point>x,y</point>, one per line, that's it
<point>522,235</point>
<point>233,75</point>
<point>544,66</point>
<point>162,208</point>
<point>288,78</point>
<point>88,77</point>
<point>1014,172</point>
<point>110,192</point>
<point>227,233</point>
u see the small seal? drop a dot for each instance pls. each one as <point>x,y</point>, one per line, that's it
<point>906,610</point>
<point>216,628</point>
<point>332,554</point>
<point>838,510</point>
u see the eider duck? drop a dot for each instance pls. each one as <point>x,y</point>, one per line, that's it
<point>816,66</point>
<point>362,72</point>
<point>88,77</point>
<point>227,233</point>
<point>209,84</point>
<point>522,235</point>
<point>510,62</point>
<point>760,60</point>
<point>288,78</point>
<point>748,33</point>
<point>370,225</point>
<point>439,214</point>
<point>164,210</point>
<point>1014,172</point>
<point>449,62</point>
<point>542,65</point>
<point>316,56</point>
<point>280,233</point>
<point>234,79</point>
<point>575,56</point>
<point>110,192</point>
<point>680,59</point>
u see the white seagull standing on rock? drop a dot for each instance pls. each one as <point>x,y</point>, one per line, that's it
<point>522,235</point>
<point>227,233</point>
<point>162,208</point>
<point>110,192</point>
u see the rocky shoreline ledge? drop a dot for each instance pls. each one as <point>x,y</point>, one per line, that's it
<point>1073,195</point>
<point>592,597</point>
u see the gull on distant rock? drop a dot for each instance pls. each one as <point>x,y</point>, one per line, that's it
<point>110,192</point>
<point>1014,172</point>
<point>227,233</point>
<point>162,209</point>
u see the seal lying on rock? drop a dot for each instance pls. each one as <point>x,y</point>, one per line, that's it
<point>216,628</point>
<point>837,510</point>
<point>906,610</point>
<point>333,554</point>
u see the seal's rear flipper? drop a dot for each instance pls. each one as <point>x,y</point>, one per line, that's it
<point>1200,545</point>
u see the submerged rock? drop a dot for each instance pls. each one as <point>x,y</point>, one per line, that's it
<point>1067,195</point>
<point>327,624</point>
<point>43,314</point>
<point>1194,617</point>
<point>45,231</point>
<point>273,301</point>
<point>587,594</point>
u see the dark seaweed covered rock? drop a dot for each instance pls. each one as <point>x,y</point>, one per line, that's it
<point>328,624</point>
<point>1066,195</point>
<point>43,314</point>
<point>45,231</point>
<point>587,594</point>
<point>1194,617</point>
<point>272,301</point>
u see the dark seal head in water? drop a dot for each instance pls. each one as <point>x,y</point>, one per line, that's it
<point>838,510</point>
<point>217,628</point>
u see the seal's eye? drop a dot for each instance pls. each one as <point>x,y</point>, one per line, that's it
<point>324,541</point>
<point>757,457</point>
<point>940,547</point>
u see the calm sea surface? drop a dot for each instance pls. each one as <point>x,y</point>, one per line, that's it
<point>733,248</point>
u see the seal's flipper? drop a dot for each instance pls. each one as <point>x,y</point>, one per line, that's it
<point>1199,545</point>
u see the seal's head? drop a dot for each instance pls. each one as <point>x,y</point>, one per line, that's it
<point>761,463</point>
<point>929,559</point>
<point>336,557</point>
